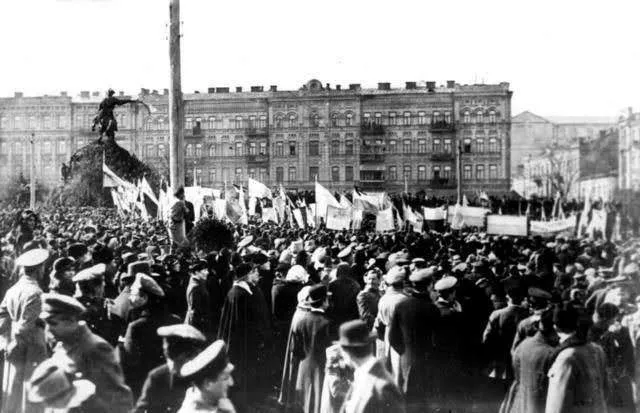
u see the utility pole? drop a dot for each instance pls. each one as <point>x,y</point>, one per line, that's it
<point>176,110</point>
<point>32,173</point>
<point>459,172</point>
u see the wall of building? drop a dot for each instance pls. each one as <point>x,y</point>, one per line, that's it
<point>377,138</point>
<point>629,151</point>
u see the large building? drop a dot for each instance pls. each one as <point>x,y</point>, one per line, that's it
<point>382,138</point>
<point>532,135</point>
<point>629,151</point>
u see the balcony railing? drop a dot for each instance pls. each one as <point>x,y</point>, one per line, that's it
<point>371,129</point>
<point>441,126</point>
<point>254,132</point>
<point>442,157</point>
<point>371,157</point>
<point>257,158</point>
<point>442,183</point>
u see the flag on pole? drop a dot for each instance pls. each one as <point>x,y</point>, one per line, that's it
<point>584,216</point>
<point>384,220</point>
<point>258,189</point>
<point>324,198</point>
<point>458,221</point>
<point>244,219</point>
<point>145,188</point>
<point>110,179</point>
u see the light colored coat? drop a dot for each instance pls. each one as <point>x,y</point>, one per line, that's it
<point>577,379</point>
<point>23,336</point>
<point>374,391</point>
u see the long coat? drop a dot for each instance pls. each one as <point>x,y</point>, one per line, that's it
<point>386,306</point>
<point>344,307</point>
<point>498,337</point>
<point>374,391</point>
<point>531,362</point>
<point>309,337</point>
<point>95,359</point>
<point>163,391</point>
<point>411,336</point>
<point>23,335</point>
<point>199,312</point>
<point>577,379</point>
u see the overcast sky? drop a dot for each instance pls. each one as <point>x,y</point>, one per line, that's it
<point>561,57</point>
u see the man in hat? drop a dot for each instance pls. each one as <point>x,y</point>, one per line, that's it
<point>373,388</point>
<point>199,309</point>
<point>210,375</point>
<point>22,337</point>
<point>164,388</point>
<point>54,387</point>
<point>309,337</point>
<point>90,293</point>
<point>394,294</point>
<point>538,300</point>
<point>368,298</point>
<point>176,225</point>
<point>91,355</point>
<point>344,290</point>
<point>244,326</point>
<point>411,335</point>
<point>61,277</point>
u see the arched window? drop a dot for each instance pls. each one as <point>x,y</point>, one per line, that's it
<point>315,120</point>
<point>479,117</point>
<point>198,150</point>
<point>161,152</point>
<point>492,116</point>
<point>238,124</point>
<point>189,150</point>
<point>407,118</point>
<point>278,121</point>
<point>212,150</point>
<point>150,123</point>
<point>334,120</point>
<point>238,149</point>
<point>262,121</point>
<point>292,120</point>
<point>349,119</point>
<point>466,116</point>
<point>212,122</point>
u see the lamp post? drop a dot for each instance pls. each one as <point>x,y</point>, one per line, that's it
<point>32,173</point>
<point>176,110</point>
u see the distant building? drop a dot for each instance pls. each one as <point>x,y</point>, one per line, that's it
<point>629,151</point>
<point>376,138</point>
<point>599,165</point>
<point>532,134</point>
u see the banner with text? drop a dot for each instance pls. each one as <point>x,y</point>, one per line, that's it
<point>507,225</point>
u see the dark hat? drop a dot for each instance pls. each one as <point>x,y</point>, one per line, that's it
<point>77,250</point>
<point>283,267</point>
<point>355,333</point>
<point>184,332</point>
<point>54,304</point>
<point>257,258</point>
<point>607,311</point>
<point>317,294</point>
<point>128,257</point>
<point>63,264</point>
<point>212,361</point>
<point>32,258</point>
<point>55,387</point>
<point>138,266</point>
<point>147,284</point>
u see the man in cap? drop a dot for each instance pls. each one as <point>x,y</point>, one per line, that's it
<point>373,389</point>
<point>411,335</point>
<point>176,225</point>
<point>309,337</point>
<point>199,309</point>
<point>142,348</point>
<point>61,277</point>
<point>22,337</point>
<point>368,298</point>
<point>164,388</point>
<point>91,355</point>
<point>90,293</point>
<point>210,375</point>
<point>394,293</point>
<point>538,300</point>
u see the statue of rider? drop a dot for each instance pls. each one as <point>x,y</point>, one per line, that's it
<point>105,118</point>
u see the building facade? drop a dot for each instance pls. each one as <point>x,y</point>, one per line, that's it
<point>377,139</point>
<point>629,151</point>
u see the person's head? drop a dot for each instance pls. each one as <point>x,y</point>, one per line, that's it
<point>446,287</point>
<point>90,281</point>
<point>54,385</point>
<point>247,272</point>
<point>180,342</point>
<point>199,269</point>
<point>318,296</point>
<point>422,279</point>
<point>395,277</point>
<point>356,342</point>
<point>179,193</point>
<point>111,92</point>
<point>606,314</point>
<point>32,262</point>
<point>62,315</point>
<point>515,295</point>
<point>144,291</point>
<point>210,372</point>
<point>565,319</point>
<point>372,279</point>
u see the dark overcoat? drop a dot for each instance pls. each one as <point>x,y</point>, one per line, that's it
<point>163,391</point>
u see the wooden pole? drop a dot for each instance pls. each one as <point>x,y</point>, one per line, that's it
<point>32,173</point>
<point>459,172</point>
<point>176,110</point>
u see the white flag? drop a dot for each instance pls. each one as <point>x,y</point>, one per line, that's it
<point>324,198</point>
<point>338,218</point>
<point>384,220</point>
<point>258,189</point>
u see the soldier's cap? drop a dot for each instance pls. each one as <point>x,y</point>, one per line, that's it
<point>462,267</point>
<point>138,266</point>
<point>423,274</point>
<point>54,386</point>
<point>143,256</point>
<point>355,333</point>
<point>382,256</point>
<point>60,304</point>
<point>345,252</point>
<point>32,258</point>
<point>418,261</point>
<point>395,275</point>
<point>482,281</point>
<point>445,283</point>
<point>184,332</point>
<point>245,241</point>
<point>538,293</point>
<point>63,264</point>
<point>77,250</point>
<point>456,258</point>
<point>89,274</point>
<point>147,284</point>
<point>211,361</point>
<point>128,257</point>
<point>590,272</point>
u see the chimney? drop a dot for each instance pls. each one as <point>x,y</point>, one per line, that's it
<point>238,89</point>
<point>354,86</point>
<point>165,91</point>
<point>431,86</point>
<point>95,94</point>
<point>154,92</point>
<point>451,84</point>
<point>144,92</point>
<point>18,95</point>
<point>211,90</point>
<point>85,94</point>
<point>273,88</point>
<point>256,88</point>
<point>338,87</point>
<point>384,86</point>
<point>410,85</point>
<point>63,94</point>
<point>222,90</point>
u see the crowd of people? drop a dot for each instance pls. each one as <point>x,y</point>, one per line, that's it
<point>100,313</point>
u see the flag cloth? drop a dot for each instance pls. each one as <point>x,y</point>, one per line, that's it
<point>145,188</point>
<point>258,189</point>
<point>338,218</point>
<point>311,215</point>
<point>357,219</point>
<point>384,220</point>
<point>370,202</point>
<point>324,198</point>
<point>110,179</point>
<point>584,216</point>
<point>465,201</point>
<point>269,214</point>
<point>297,214</point>
<point>458,221</point>
<point>244,219</point>
<point>345,203</point>
<point>434,214</point>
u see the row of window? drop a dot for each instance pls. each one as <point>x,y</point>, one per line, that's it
<point>82,120</point>
<point>45,147</point>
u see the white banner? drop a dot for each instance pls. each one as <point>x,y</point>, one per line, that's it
<point>507,225</point>
<point>472,216</point>
<point>297,214</point>
<point>555,227</point>
<point>384,220</point>
<point>338,218</point>
<point>269,214</point>
<point>434,214</point>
